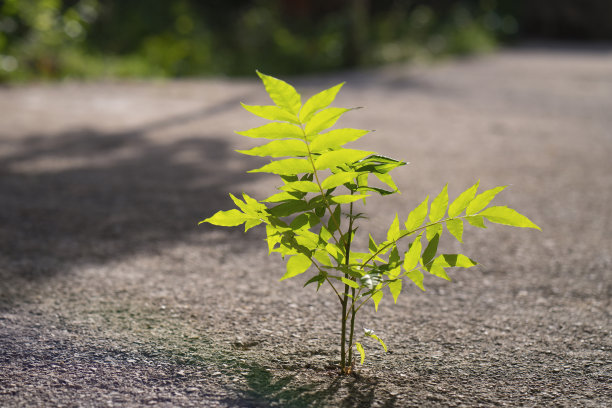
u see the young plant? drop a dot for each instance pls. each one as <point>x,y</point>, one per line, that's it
<point>312,220</point>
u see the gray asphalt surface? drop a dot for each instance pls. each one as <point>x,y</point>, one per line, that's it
<point>111,295</point>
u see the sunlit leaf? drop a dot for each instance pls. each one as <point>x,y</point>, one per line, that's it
<point>284,95</point>
<point>350,283</point>
<point>394,231</point>
<point>338,179</point>
<point>417,216</point>
<point>285,167</point>
<point>476,221</point>
<point>271,112</point>
<point>482,200</point>
<point>438,205</point>
<point>376,298</point>
<point>411,258</point>
<point>433,230</point>
<point>319,101</point>
<point>395,287</point>
<point>278,148</point>
<point>417,277</point>
<point>335,139</point>
<point>323,120</point>
<point>344,199</point>
<point>274,130</point>
<point>296,265</point>
<point>361,351</point>
<point>507,216</point>
<point>229,218</point>
<point>455,227</point>
<point>336,158</point>
<point>462,201</point>
<point>303,186</point>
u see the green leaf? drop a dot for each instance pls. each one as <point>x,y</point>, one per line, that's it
<point>320,279</point>
<point>438,205</point>
<point>287,208</point>
<point>278,148</point>
<point>284,95</point>
<point>336,158</point>
<point>285,167</point>
<point>507,216</point>
<point>338,179</point>
<point>361,351</point>
<point>476,220</point>
<point>335,220</point>
<point>250,223</point>
<point>482,200</point>
<point>372,245</point>
<point>319,101</point>
<point>393,233</point>
<point>417,216</point>
<point>462,201</point>
<point>284,196</point>
<point>229,218</point>
<point>437,270</point>
<point>303,186</point>
<point>411,258</point>
<point>376,297</point>
<point>273,237</point>
<point>271,112</point>
<point>455,227</point>
<point>343,199</point>
<point>296,265</point>
<point>323,120</point>
<point>433,230</point>
<point>417,277</point>
<point>387,179</point>
<point>430,251</point>
<point>395,287</point>
<point>323,258</point>
<point>455,260</point>
<point>335,139</point>
<point>350,283</point>
<point>371,334</point>
<point>275,130</point>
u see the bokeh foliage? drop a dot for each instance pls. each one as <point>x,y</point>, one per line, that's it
<point>135,38</point>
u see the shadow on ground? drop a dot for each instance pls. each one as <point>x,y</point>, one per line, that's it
<point>86,196</point>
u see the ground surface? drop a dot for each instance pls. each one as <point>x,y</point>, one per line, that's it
<point>111,295</point>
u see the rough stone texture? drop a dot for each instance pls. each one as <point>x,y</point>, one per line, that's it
<point>111,295</point>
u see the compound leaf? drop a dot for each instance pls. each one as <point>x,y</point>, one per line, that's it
<point>296,265</point>
<point>319,101</point>
<point>350,283</point>
<point>376,297</point>
<point>284,95</point>
<point>507,216</point>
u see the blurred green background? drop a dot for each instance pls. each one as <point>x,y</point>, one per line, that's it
<point>54,39</point>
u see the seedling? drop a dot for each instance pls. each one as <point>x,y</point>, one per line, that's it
<point>312,221</point>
